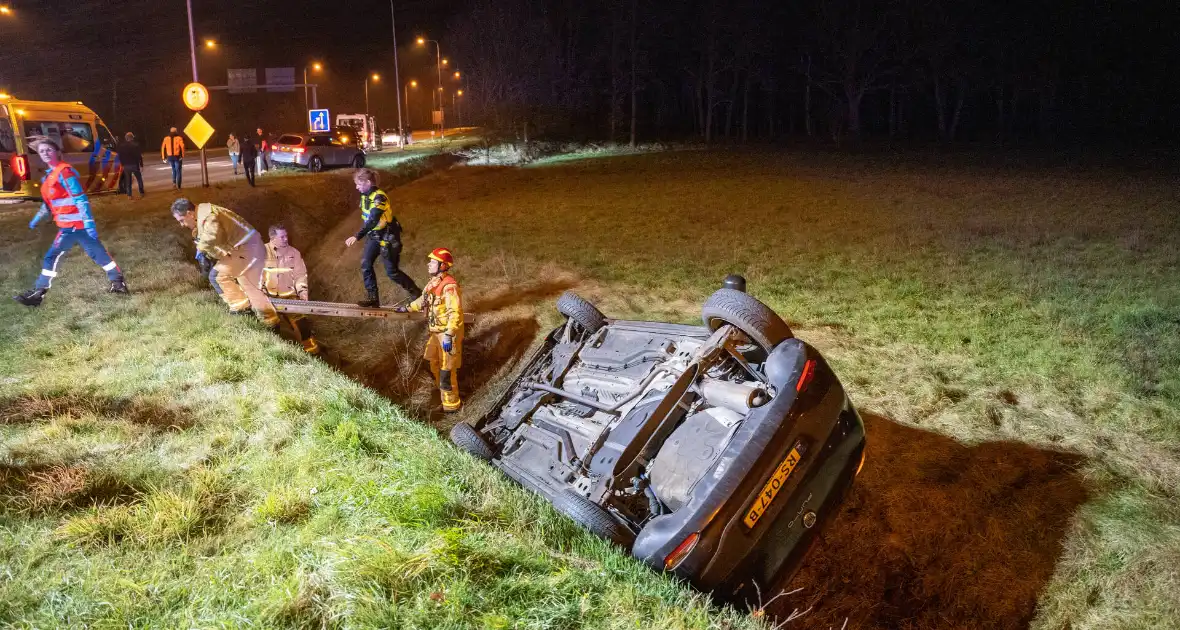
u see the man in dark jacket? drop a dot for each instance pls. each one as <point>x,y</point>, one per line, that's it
<point>131,157</point>
<point>249,155</point>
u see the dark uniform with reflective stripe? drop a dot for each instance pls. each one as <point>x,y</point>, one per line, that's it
<point>383,234</point>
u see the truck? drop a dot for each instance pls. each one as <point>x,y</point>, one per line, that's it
<point>365,128</point>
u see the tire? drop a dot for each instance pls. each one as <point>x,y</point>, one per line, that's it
<point>469,440</point>
<point>581,312</point>
<point>315,164</point>
<point>755,319</point>
<point>358,161</point>
<point>593,518</point>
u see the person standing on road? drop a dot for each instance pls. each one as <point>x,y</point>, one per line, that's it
<point>240,254</point>
<point>131,157</point>
<point>442,301</point>
<point>263,147</point>
<point>235,151</point>
<point>172,152</point>
<point>249,157</point>
<point>285,277</point>
<point>383,237</point>
<point>66,200</point>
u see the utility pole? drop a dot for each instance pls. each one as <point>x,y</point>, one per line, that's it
<point>192,48</point>
<point>397,79</point>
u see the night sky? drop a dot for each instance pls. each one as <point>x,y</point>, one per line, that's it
<point>1031,70</point>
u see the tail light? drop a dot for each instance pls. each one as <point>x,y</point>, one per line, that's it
<point>805,377</point>
<point>298,150</point>
<point>20,166</point>
<point>681,551</point>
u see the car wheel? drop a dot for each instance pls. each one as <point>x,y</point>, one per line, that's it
<point>594,518</point>
<point>581,312</point>
<point>468,439</point>
<point>315,164</point>
<point>762,325</point>
<point>358,161</point>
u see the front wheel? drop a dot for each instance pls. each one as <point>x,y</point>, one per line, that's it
<point>468,439</point>
<point>315,164</point>
<point>581,312</point>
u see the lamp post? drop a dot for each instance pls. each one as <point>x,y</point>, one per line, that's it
<point>455,106</point>
<point>422,41</point>
<point>315,67</point>
<point>375,77</point>
<point>411,84</point>
<point>192,49</point>
<point>397,78</point>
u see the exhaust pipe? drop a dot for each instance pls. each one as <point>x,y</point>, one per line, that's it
<point>736,397</point>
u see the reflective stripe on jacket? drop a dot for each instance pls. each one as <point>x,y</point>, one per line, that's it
<point>285,274</point>
<point>377,214</point>
<point>173,146</point>
<point>220,230</point>
<point>443,304</point>
<point>64,196</point>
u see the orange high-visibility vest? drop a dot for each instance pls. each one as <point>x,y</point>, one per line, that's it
<point>173,146</point>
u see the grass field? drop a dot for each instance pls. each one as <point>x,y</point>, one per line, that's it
<point>1010,335</point>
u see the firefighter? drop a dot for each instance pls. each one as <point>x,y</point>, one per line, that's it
<point>285,277</point>
<point>224,236</point>
<point>66,200</point>
<point>383,237</point>
<point>443,304</point>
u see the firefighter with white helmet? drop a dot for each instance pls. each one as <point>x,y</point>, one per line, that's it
<point>442,301</point>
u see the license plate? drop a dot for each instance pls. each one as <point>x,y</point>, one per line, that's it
<point>776,483</point>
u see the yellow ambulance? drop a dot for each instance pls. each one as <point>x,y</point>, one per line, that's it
<point>86,144</point>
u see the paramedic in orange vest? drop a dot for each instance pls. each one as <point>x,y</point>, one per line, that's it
<point>224,236</point>
<point>66,200</point>
<point>172,152</point>
<point>443,304</point>
<point>285,277</point>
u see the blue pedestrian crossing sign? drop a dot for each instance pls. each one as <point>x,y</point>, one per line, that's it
<point>318,120</point>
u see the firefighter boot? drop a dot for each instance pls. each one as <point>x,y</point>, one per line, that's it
<point>373,301</point>
<point>118,286</point>
<point>31,297</point>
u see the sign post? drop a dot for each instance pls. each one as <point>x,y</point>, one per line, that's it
<point>318,120</point>
<point>196,98</point>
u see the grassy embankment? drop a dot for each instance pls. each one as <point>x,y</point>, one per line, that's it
<point>163,464</point>
<point>1010,337</point>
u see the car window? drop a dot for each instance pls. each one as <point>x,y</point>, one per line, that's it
<point>105,136</point>
<point>72,137</point>
<point>290,140</point>
<point>317,141</point>
<point>7,137</point>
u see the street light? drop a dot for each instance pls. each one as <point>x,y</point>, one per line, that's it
<point>375,77</point>
<point>455,106</point>
<point>438,60</point>
<point>411,84</point>
<point>5,9</point>
<point>316,67</point>
<point>456,74</point>
<point>209,43</point>
<point>446,61</point>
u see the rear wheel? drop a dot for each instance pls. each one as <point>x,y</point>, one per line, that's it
<point>358,161</point>
<point>468,439</point>
<point>315,164</point>
<point>594,518</point>
<point>762,325</point>
<point>581,312</point>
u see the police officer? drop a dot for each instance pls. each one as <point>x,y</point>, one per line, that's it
<point>443,304</point>
<point>66,200</point>
<point>382,234</point>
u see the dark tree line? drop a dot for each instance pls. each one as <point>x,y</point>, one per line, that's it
<point>739,70</point>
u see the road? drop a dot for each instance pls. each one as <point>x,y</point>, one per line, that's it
<point>158,175</point>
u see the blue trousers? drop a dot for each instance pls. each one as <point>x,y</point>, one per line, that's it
<point>66,239</point>
<point>177,170</point>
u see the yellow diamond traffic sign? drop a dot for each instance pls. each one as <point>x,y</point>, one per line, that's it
<point>198,130</point>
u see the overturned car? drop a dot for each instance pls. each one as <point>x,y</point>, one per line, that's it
<point>716,451</point>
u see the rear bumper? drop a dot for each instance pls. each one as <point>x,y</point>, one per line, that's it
<point>288,159</point>
<point>730,557</point>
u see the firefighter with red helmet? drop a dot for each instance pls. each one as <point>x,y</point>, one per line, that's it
<point>442,301</point>
<point>65,198</point>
